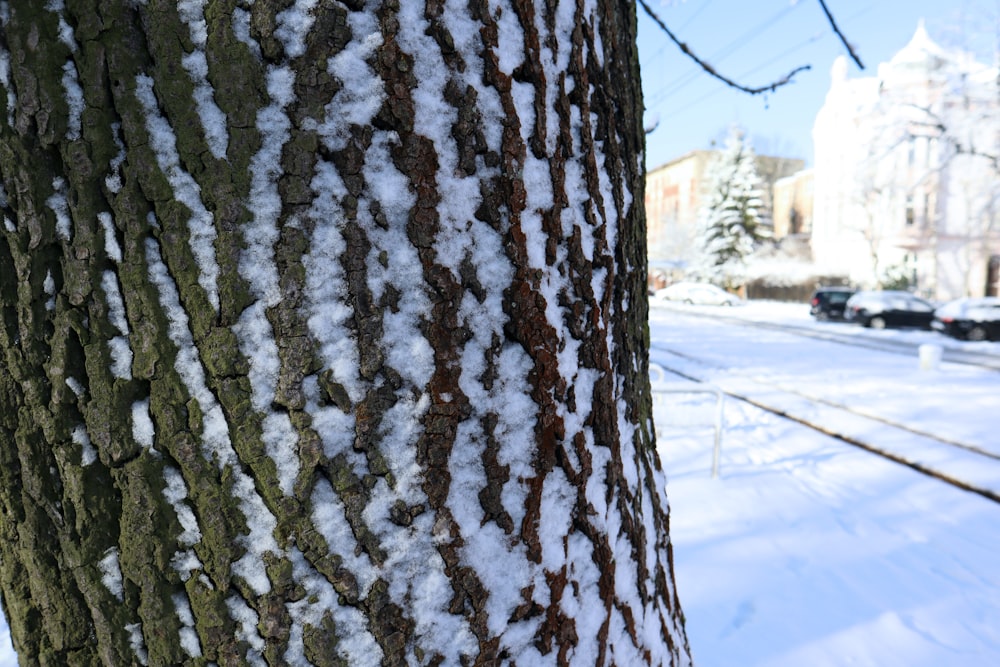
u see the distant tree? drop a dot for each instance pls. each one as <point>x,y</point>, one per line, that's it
<point>729,223</point>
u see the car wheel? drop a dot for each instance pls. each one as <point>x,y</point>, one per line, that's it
<point>976,333</point>
<point>877,322</point>
<point>689,302</point>
<point>822,316</point>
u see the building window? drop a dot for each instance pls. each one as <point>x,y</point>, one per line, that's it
<point>993,276</point>
<point>794,221</point>
<point>909,210</point>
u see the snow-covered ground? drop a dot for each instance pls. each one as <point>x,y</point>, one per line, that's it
<point>807,550</point>
<point>7,656</point>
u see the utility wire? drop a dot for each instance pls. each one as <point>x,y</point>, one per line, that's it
<point>716,91</point>
<point>711,70</point>
<point>801,45</point>
<point>702,6</point>
<point>721,54</point>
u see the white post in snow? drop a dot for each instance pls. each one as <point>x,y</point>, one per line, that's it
<point>930,356</point>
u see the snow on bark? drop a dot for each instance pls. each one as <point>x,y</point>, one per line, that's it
<point>201,226</point>
<point>111,573</point>
<point>361,95</point>
<point>137,643</point>
<point>215,434</point>
<point>247,619</point>
<point>175,493</point>
<point>213,121</point>
<point>556,498</point>
<point>113,181</point>
<point>142,424</point>
<point>111,243</point>
<point>74,98</point>
<point>75,386</point>
<point>241,29</point>
<point>406,348</point>
<point>189,637</point>
<point>326,291</point>
<point>294,24</point>
<point>5,78</point>
<point>60,207</point>
<point>58,7</point>
<point>87,452</point>
<point>257,266</point>
<point>121,353</point>
<point>49,287</point>
<point>355,644</point>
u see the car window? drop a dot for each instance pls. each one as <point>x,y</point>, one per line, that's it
<point>860,303</point>
<point>919,305</point>
<point>897,303</point>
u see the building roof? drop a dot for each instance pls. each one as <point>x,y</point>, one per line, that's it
<point>921,50</point>
<point>700,152</point>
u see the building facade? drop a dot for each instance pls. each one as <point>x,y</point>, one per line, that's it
<point>906,179</point>
<point>793,205</point>
<point>674,195</point>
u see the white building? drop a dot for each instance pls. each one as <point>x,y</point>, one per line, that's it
<point>907,177</point>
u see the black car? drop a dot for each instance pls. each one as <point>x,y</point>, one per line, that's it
<point>827,303</point>
<point>889,308</point>
<point>971,318</point>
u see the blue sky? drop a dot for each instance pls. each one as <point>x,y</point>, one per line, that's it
<point>756,42</point>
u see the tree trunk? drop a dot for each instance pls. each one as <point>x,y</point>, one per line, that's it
<point>324,336</point>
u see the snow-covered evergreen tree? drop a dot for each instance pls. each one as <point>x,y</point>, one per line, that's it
<point>729,223</point>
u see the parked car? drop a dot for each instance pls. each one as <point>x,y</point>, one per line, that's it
<point>970,318</point>
<point>889,308</point>
<point>698,293</point>
<point>827,303</point>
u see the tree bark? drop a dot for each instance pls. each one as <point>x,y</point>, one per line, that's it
<point>324,336</point>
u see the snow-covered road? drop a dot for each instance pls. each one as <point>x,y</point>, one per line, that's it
<point>806,550</point>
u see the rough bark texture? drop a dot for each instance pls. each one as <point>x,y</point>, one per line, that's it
<point>322,336</point>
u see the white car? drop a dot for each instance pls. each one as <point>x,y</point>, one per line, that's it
<point>698,293</point>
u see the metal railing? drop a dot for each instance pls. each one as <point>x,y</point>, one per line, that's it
<point>661,389</point>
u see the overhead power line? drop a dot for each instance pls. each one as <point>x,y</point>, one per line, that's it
<point>721,54</point>
<point>711,70</point>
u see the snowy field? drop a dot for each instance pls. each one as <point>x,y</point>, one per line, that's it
<point>806,550</point>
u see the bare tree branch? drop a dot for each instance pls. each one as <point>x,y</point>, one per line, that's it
<point>833,24</point>
<point>711,70</point>
<point>937,124</point>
